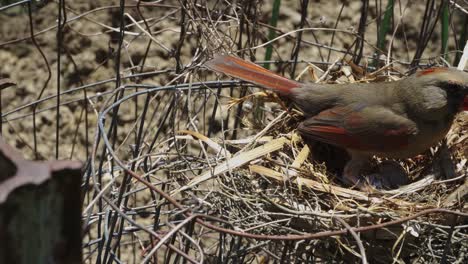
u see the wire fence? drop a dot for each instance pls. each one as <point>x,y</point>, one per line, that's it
<point>179,169</point>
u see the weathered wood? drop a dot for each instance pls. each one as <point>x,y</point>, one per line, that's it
<point>40,210</point>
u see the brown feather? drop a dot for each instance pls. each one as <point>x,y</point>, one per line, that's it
<point>357,127</point>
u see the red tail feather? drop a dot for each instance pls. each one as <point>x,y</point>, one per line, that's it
<point>251,72</point>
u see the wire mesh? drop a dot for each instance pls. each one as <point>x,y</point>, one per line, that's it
<point>122,86</point>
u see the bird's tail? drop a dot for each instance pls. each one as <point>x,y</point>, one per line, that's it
<point>251,72</point>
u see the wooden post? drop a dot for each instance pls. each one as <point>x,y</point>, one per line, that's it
<point>40,210</point>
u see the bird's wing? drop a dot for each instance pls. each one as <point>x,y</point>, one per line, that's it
<point>251,72</point>
<point>360,127</point>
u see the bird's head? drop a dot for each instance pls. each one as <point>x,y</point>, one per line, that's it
<point>452,80</point>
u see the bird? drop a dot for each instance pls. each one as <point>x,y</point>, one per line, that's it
<point>395,119</point>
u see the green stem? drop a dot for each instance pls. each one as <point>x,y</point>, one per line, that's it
<point>462,39</point>
<point>272,32</point>
<point>384,28</point>
<point>445,29</point>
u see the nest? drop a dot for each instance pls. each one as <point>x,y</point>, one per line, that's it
<point>270,189</point>
<point>206,188</point>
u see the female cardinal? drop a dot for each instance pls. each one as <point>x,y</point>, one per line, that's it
<point>397,119</point>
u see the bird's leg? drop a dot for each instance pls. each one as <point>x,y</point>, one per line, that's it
<point>443,164</point>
